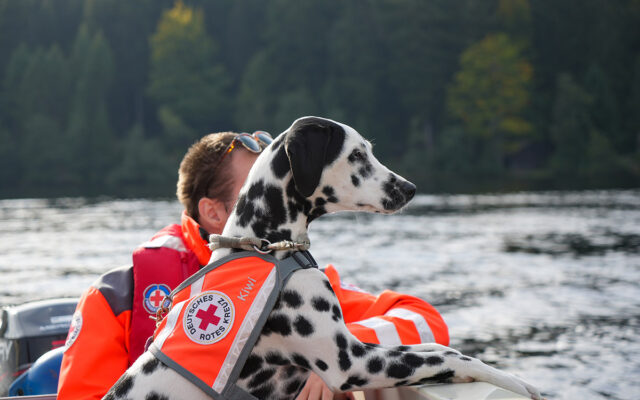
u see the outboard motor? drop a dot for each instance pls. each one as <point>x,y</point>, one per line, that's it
<point>29,330</point>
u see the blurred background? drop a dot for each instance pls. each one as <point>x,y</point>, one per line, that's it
<point>518,120</point>
<point>104,96</point>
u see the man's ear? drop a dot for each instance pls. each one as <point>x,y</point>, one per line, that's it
<point>212,215</point>
<point>311,144</point>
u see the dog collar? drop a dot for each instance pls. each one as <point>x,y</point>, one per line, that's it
<point>262,246</point>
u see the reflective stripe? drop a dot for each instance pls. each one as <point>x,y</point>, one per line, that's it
<point>245,330</point>
<point>426,336</point>
<point>172,319</point>
<point>385,330</point>
<point>171,242</point>
<point>353,288</point>
<point>196,287</point>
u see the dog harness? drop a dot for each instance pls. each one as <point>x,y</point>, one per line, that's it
<point>217,316</point>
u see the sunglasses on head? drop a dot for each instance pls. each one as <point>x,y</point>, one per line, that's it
<point>254,142</point>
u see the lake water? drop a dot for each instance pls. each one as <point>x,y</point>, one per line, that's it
<point>544,285</point>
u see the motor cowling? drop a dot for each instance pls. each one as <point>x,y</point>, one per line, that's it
<point>28,331</point>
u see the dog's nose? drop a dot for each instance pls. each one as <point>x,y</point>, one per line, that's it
<point>408,189</point>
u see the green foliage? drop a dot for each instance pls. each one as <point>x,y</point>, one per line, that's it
<point>185,75</point>
<point>489,95</point>
<point>105,96</point>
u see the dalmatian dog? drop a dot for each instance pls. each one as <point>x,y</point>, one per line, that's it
<point>317,166</point>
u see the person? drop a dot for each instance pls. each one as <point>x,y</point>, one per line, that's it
<point>112,320</point>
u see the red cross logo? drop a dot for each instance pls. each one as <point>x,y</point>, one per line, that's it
<point>156,297</point>
<point>208,317</point>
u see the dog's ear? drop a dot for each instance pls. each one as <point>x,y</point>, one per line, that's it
<point>311,144</point>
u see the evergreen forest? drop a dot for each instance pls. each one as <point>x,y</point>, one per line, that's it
<point>103,97</point>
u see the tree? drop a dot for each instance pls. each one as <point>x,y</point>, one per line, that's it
<point>89,135</point>
<point>571,127</point>
<point>489,95</point>
<point>186,75</point>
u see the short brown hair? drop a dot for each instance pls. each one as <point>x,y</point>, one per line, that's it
<point>196,178</point>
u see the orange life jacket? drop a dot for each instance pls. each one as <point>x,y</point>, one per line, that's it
<point>224,305</point>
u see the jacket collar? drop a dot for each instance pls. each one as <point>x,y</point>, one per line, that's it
<point>191,232</point>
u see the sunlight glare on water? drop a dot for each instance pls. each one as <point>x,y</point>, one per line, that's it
<point>545,285</point>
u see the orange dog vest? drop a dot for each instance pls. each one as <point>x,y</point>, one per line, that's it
<point>217,315</point>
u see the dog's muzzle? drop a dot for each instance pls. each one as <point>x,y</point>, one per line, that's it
<point>398,193</point>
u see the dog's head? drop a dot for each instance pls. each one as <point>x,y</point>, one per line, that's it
<point>334,168</point>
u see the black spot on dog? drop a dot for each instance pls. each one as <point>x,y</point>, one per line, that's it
<point>402,348</point>
<point>358,350</point>
<point>293,211</point>
<point>433,360</point>
<point>341,341</point>
<point>401,383</point>
<point>327,284</point>
<point>155,396</point>
<point>263,392</point>
<point>321,365</point>
<point>441,377</point>
<point>292,298</point>
<point>301,361</point>
<point>123,386</point>
<point>277,323</point>
<point>150,366</point>
<point>303,326</point>
<point>355,180</point>
<point>320,304</point>
<point>394,353</point>
<point>290,371</point>
<point>276,359</point>
<point>451,353</point>
<point>465,358</point>
<point>375,365</point>
<point>280,162</point>
<point>356,156</point>
<point>343,360</point>
<point>296,202</point>
<point>261,377</point>
<point>320,201</point>
<point>245,211</point>
<point>353,380</point>
<point>253,364</point>
<point>399,371</point>
<point>293,386</point>
<point>276,214</point>
<point>330,193</point>
<point>278,236</point>
<point>255,190</point>
<point>412,360</point>
<point>315,213</point>
<point>366,170</point>
<point>337,314</point>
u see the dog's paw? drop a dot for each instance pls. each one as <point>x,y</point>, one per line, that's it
<point>483,373</point>
<point>518,385</point>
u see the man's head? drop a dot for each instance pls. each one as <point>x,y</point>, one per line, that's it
<point>209,180</point>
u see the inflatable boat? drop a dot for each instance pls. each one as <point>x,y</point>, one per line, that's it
<point>32,338</point>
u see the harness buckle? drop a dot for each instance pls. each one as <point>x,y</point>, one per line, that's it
<point>163,310</point>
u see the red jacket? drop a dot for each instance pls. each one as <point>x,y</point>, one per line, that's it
<point>103,343</point>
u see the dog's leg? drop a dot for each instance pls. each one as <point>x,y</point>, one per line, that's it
<point>347,364</point>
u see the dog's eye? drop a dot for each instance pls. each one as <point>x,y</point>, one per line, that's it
<point>358,155</point>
